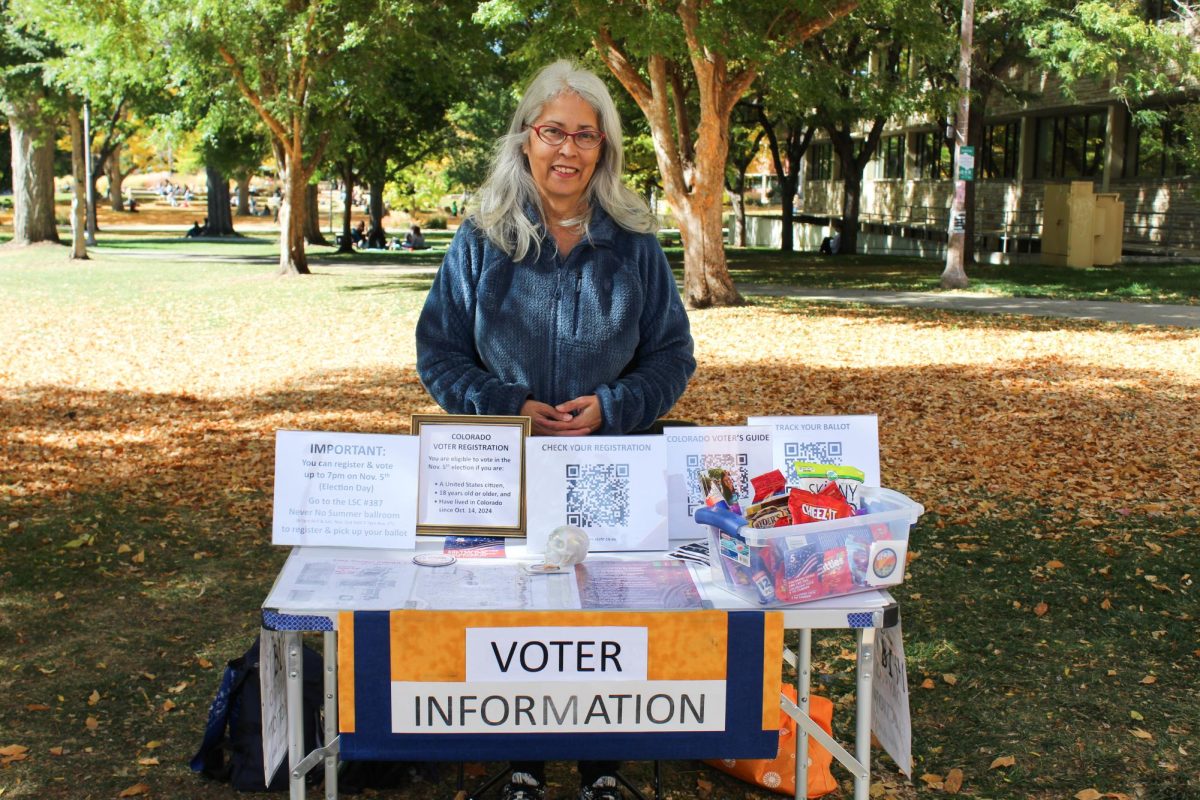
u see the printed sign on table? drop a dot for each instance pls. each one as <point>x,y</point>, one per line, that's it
<point>851,441</point>
<point>890,719</point>
<point>600,685</point>
<point>345,490</point>
<point>471,472</point>
<point>613,487</point>
<point>743,452</point>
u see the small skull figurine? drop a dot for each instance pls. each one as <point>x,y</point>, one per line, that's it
<point>567,546</point>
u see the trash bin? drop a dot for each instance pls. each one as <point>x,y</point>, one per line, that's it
<point>1081,228</point>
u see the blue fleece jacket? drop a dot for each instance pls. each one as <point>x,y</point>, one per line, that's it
<point>607,320</point>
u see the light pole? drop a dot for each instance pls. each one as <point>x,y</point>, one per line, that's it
<point>954,276</point>
<point>90,225</point>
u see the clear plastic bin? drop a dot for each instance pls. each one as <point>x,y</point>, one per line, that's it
<point>798,563</point>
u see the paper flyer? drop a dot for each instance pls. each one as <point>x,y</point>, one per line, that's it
<point>743,452</point>
<point>641,585</point>
<point>851,440</point>
<point>345,489</point>
<point>613,487</point>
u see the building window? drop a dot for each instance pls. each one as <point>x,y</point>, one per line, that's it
<point>1001,151</point>
<point>1070,146</point>
<point>1155,151</point>
<point>820,161</point>
<point>891,157</point>
<point>933,157</point>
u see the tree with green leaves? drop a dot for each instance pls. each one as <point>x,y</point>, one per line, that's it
<point>745,135</point>
<point>28,102</point>
<point>862,74</point>
<point>786,118</point>
<point>686,65</point>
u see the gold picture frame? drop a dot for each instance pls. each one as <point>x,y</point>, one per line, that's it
<point>455,450</point>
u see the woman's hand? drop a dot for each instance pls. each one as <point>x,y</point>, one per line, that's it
<point>577,417</point>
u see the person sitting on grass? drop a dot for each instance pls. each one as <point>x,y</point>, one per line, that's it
<point>196,230</point>
<point>414,240</point>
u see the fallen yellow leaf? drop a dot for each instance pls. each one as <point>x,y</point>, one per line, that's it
<point>1149,679</point>
<point>1088,794</point>
<point>139,558</point>
<point>1055,564</point>
<point>927,683</point>
<point>13,750</point>
<point>92,723</point>
<point>954,781</point>
<point>1141,734</point>
<point>153,744</point>
<point>1040,609</point>
<point>204,663</point>
<point>1003,761</point>
<point>932,779</point>
<point>168,705</point>
<point>56,751</point>
<point>148,762</point>
<point>135,790</point>
<point>93,698</point>
<point>950,679</point>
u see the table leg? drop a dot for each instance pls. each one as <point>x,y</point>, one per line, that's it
<point>803,686</point>
<point>294,645</point>
<point>862,706</point>
<point>331,714</point>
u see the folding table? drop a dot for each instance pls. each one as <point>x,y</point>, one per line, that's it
<point>864,613</point>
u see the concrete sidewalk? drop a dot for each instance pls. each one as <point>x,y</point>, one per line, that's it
<point>1100,310</point>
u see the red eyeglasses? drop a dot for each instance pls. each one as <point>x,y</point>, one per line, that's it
<point>586,139</point>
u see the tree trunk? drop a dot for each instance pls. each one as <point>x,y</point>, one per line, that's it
<point>293,260</point>
<point>706,280</point>
<point>32,171</point>
<point>738,200</point>
<point>93,222</point>
<point>347,245</point>
<point>116,180</point>
<point>851,207</point>
<point>78,187</point>
<point>377,211</point>
<point>220,215</point>
<point>312,216</point>
<point>787,213</point>
<point>243,195</point>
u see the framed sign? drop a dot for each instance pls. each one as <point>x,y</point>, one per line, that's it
<point>471,474</point>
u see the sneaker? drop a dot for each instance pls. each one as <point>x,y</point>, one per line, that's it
<point>605,788</point>
<point>522,786</point>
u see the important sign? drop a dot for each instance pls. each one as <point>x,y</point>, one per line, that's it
<point>345,489</point>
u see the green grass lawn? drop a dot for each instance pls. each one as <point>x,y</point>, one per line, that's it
<point>1150,283</point>
<point>139,392</point>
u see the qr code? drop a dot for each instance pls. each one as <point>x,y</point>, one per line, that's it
<point>736,466</point>
<point>597,495</point>
<point>809,453</point>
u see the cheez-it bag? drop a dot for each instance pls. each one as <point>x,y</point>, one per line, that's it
<point>779,774</point>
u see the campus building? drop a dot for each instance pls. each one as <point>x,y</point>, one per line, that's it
<point>1048,138</point>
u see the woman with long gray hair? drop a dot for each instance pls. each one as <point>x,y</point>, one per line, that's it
<point>555,300</point>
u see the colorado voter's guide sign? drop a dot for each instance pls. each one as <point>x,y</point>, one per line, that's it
<point>531,684</point>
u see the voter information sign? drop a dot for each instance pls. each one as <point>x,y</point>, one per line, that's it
<point>558,685</point>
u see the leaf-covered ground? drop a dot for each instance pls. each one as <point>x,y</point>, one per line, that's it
<point>1050,610</point>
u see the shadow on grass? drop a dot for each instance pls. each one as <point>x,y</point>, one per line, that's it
<point>141,552</point>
